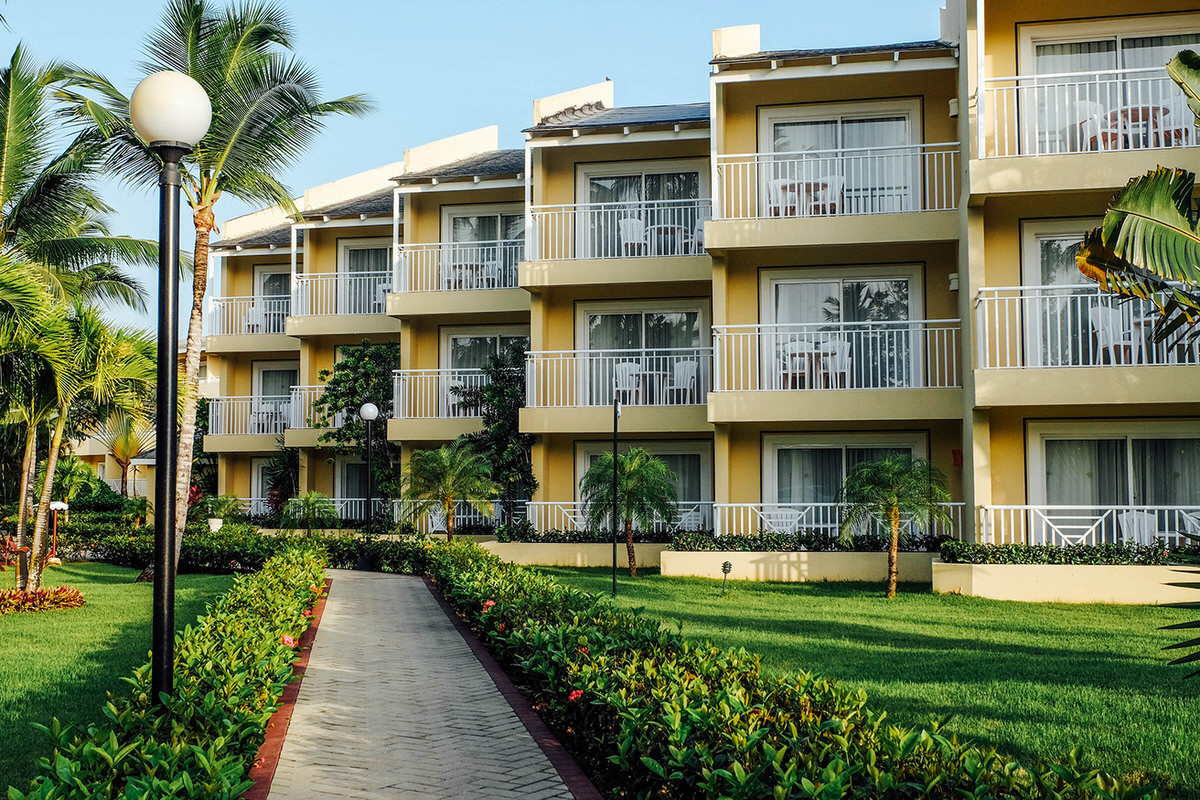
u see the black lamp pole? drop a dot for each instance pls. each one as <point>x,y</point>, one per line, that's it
<point>616,416</point>
<point>162,659</point>
<point>370,484</point>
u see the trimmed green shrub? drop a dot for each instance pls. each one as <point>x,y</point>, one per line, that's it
<point>230,669</point>
<point>1103,554</point>
<point>530,534</point>
<point>649,714</point>
<point>813,541</point>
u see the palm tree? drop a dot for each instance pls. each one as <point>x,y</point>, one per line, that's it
<point>126,436</point>
<point>309,512</point>
<point>894,488</point>
<point>266,108</point>
<point>1148,245</point>
<point>645,493</point>
<point>109,366</point>
<point>442,477</point>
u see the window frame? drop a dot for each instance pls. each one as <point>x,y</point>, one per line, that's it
<point>602,169</point>
<point>452,212</point>
<point>583,310</point>
<point>773,443</point>
<point>448,332</point>
<point>1032,34</point>
<point>669,447</point>
<point>770,116</point>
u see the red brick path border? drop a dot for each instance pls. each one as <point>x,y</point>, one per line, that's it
<point>268,755</point>
<point>574,777</point>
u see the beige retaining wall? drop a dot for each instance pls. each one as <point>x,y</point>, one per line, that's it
<point>574,555</point>
<point>803,566</point>
<point>1060,583</point>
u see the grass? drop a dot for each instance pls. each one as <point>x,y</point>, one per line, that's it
<point>1031,679</point>
<point>61,663</point>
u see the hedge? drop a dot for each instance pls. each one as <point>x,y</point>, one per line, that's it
<point>813,541</point>
<point>230,669</point>
<point>650,714</point>
<point>1103,554</point>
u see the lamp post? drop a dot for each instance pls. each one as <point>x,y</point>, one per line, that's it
<point>616,416</point>
<point>367,413</point>
<point>171,112</point>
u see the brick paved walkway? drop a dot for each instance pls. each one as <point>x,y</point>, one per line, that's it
<point>394,705</point>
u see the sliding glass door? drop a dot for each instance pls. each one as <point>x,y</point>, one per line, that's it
<point>652,211</point>
<point>640,353</point>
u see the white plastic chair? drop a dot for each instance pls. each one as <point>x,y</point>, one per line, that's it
<point>628,378</point>
<point>1138,526</point>
<point>1081,134</point>
<point>698,237</point>
<point>633,236</point>
<point>828,201</point>
<point>837,363</point>
<point>782,198</point>
<point>1111,334</point>
<point>492,275</point>
<point>256,319</point>
<point>684,377</point>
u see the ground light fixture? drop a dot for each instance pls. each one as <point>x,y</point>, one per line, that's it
<point>170,112</point>
<point>368,413</point>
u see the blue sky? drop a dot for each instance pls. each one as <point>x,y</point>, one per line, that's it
<point>439,68</point>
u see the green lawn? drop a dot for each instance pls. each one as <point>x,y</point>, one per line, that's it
<point>1027,678</point>
<point>60,663</point>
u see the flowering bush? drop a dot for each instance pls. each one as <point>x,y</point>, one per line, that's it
<point>230,669</point>
<point>650,714</point>
<point>15,600</point>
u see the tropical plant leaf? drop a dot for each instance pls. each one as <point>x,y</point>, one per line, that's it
<point>1184,69</point>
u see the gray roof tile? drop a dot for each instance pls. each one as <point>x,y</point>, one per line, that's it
<point>376,204</point>
<point>496,163</point>
<point>825,52</point>
<point>595,116</point>
<point>280,236</point>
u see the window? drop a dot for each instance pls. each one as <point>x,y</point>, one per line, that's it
<point>642,208</point>
<point>690,461</point>
<point>272,298</point>
<point>811,469</point>
<point>848,332</point>
<point>485,244</point>
<point>470,348</point>
<point>841,158</point>
<point>260,485</point>
<point>364,275</point>
<point>1059,298</point>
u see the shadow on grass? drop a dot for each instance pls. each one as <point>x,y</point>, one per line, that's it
<point>78,693</point>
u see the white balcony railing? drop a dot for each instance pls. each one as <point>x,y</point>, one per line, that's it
<point>301,413</point>
<point>332,293</point>
<point>354,509</point>
<point>912,354</point>
<point>458,266</point>
<point>432,393</point>
<point>749,519</point>
<point>690,515</point>
<point>1071,326</point>
<point>634,229</point>
<point>658,377</point>
<point>1067,525</point>
<point>849,181</point>
<point>244,315</point>
<point>433,518</point>
<point>248,415</point>
<point>136,487</point>
<point>255,506</point>
<point>1123,109</point>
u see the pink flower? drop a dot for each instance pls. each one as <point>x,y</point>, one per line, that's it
<point>575,695</point>
<point>288,640</point>
<point>488,605</point>
<point>306,612</point>
<point>583,650</point>
<point>312,587</point>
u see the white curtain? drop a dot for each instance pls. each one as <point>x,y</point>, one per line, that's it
<point>367,259</point>
<point>1166,472</point>
<point>1086,472</point>
<point>354,480</point>
<point>471,352</point>
<point>686,467</point>
<point>1155,51</point>
<point>808,475</point>
<point>278,382</point>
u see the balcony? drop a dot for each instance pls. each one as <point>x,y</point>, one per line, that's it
<point>824,519</point>
<point>360,296</point>
<point>427,407</point>
<point>304,424</point>
<point>246,424</point>
<point>689,516</point>
<point>458,278</point>
<point>348,509</point>
<point>255,316</point>
<point>904,186</point>
<point>1126,114</point>
<point>433,519</point>
<point>836,371</point>
<point>1075,344</point>
<point>669,231</point>
<point>1069,525</point>
<point>659,389</point>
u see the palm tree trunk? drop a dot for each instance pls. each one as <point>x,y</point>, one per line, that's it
<point>449,506</point>
<point>41,541</point>
<point>125,479</point>
<point>205,222</point>
<point>25,504</point>
<point>893,549</point>
<point>629,551</point>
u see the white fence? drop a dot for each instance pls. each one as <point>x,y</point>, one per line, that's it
<point>842,355</point>
<point>1065,525</point>
<point>432,393</point>
<point>1071,326</point>
<point>136,487</point>
<point>244,315</point>
<point>255,506</point>
<point>458,266</point>
<point>633,229</point>
<point>340,293</point>
<point>302,414</point>
<point>433,518</point>
<point>689,516</point>
<point>354,509</point>
<point>1124,109</point>
<point>749,519</point>
<point>849,181</point>
<point>657,377</point>
<point>253,415</point>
